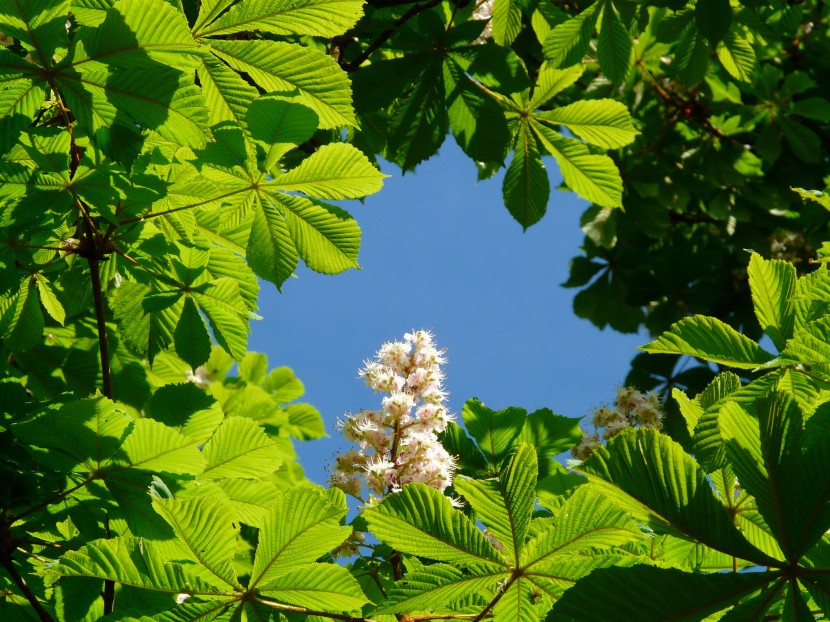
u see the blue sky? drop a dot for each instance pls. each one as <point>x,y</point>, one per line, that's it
<point>441,252</point>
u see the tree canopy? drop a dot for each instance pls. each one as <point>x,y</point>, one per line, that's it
<point>163,158</point>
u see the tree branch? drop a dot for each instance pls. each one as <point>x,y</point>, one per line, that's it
<point>384,36</point>
<point>27,592</point>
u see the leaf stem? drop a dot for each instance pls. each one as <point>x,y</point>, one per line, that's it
<point>310,612</point>
<point>100,310</point>
<point>27,592</point>
<point>483,613</point>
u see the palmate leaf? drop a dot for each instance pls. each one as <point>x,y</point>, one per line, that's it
<point>204,526</point>
<point>227,95</point>
<point>418,121</point>
<point>671,594</point>
<point>326,237</point>
<point>614,45</point>
<point>313,78</point>
<point>551,580</point>
<point>227,313</point>
<point>334,171</point>
<point>319,18</point>
<point>302,525</point>
<point>38,24</point>
<point>240,448</point>
<point>812,488</point>
<point>765,455</point>
<point>710,339</point>
<point>586,520</point>
<point>526,187</point>
<point>567,43</point>
<point>772,283</point>
<point>552,81</point>
<point>550,434</point>
<point>602,122</point>
<point>134,32</point>
<point>477,122</point>
<point>651,476</point>
<point>271,252</point>
<point>737,56</point>
<point>430,587</point>
<point>157,98</point>
<point>494,431</point>
<point>421,521</point>
<point>506,20</point>
<point>593,177</point>
<point>152,446</point>
<point>323,587</point>
<point>278,125</point>
<point>505,505</point>
<point>88,432</point>
<point>810,346</point>
<point>130,562</point>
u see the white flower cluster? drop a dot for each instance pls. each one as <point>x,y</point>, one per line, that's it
<point>398,443</point>
<point>484,11</point>
<point>632,408</point>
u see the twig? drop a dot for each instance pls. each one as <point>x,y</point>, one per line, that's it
<point>384,36</point>
<point>310,612</point>
<point>27,592</point>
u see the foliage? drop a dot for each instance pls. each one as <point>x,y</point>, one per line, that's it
<point>160,157</point>
<point>724,107</point>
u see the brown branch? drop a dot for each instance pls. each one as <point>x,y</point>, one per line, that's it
<point>27,592</point>
<point>384,36</point>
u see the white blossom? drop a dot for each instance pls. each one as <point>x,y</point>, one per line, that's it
<point>397,445</point>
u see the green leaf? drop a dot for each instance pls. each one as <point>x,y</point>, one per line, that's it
<point>772,284</point>
<point>712,340</point>
<point>737,56</point>
<point>283,385</point>
<point>309,76</point>
<point>23,322</point>
<point>430,587</point>
<point>187,408</point>
<point>190,337</point>
<point>550,434</point>
<point>505,505</point>
<point>223,306</point>
<point>568,42</point>
<point>506,21</point>
<point>418,120</point>
<point>526,187</point>
<point>271,251</point>
<point>764,453</point>
<point>477,122</point>
<point>322,587</point>
<point>586,520</point>
<point>302,525</point>
<point>226,94</point>
<point>602,122</point>
<point>278,125</point>
<point>421,521</point>
<point>131,562</point>
<point>88,432</point>
<point>49,299</point>
<point>334,171</point>
<point>204,526</point>
<point>593,177</point>
<point>240,448</point>
<point>152,446</point>
<point>672,594</point>
<point>304,422</point>
<point>713,19</point>
<point>614,46</point>
<point>810,346</point>
<point>135,32</point>
<point>552,81</point>
<point>38,24</point>
<point>651,476</point>
<point>326,237</point>
<point>319,18</point>
<point>494,431</point>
